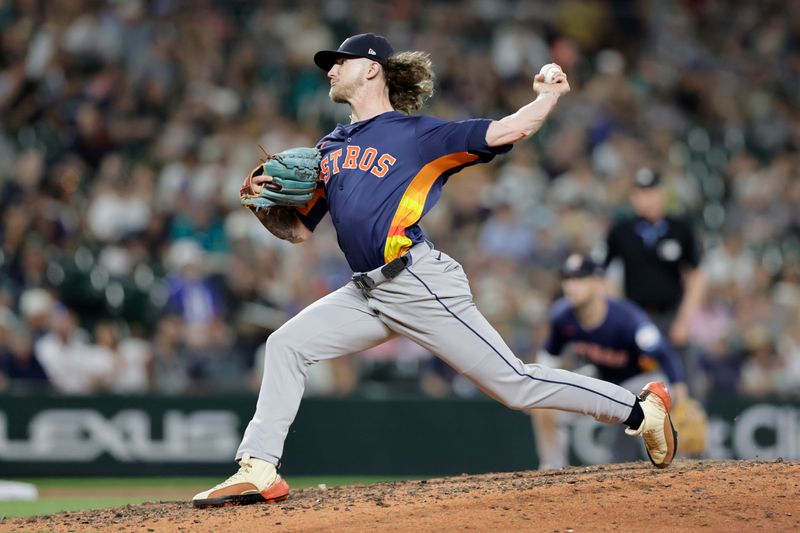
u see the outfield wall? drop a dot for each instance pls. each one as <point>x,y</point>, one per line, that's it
<point>112,435</point>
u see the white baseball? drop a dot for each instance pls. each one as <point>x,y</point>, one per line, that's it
<point>549,71</point>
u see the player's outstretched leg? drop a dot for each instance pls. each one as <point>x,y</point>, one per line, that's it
<point>338,324</point>
<point>660,437</point>
<point>256,481</point>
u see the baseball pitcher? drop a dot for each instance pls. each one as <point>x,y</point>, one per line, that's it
<point>377,177</point>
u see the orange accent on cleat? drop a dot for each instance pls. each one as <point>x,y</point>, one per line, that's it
<point>255,482</point>
<point>660,437</point>
<point>659,389</point>
<point>277,492</point>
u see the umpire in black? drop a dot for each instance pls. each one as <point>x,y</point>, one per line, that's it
<point>661,259</point>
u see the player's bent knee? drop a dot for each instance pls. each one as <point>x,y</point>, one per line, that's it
<point>512,402</point>
<point>517,406</point>
<point>282,346</point>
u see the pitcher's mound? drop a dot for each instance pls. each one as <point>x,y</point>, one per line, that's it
<point>688,496</point>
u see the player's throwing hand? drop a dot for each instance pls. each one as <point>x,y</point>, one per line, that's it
<point>551,79</point>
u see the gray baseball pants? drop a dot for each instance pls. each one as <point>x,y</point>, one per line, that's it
<point>553,441</point>
<point>429,302</point>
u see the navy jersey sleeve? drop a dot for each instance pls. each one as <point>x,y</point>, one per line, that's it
<point>651,342</point>
<point>311,215</point>
<point>315,210</point>
<point>437,138</point>
<point>555,342</point>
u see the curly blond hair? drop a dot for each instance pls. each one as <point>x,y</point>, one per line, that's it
<point>409,77</point>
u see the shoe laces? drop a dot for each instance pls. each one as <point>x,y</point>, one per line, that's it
<point>245,467</point>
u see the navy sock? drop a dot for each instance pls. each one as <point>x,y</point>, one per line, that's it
<point>636,417</point>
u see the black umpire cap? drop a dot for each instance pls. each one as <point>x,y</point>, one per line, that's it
<point>646,178</point>
<point>580,266</point>
<point>368,45</point>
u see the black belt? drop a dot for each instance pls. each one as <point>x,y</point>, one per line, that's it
<point>367,281</point>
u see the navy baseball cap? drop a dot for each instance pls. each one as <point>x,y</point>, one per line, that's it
<point>368,45</point>
<point>580,266</point>
<point>646,179</point>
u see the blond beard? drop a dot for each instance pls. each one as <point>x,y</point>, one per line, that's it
<point>338,96</point>
<point>341,93</point>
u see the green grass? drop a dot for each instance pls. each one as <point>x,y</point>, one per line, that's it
<point>95,483</point>
<point>54,504</point>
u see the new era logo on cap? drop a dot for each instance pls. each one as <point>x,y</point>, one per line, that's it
<point>368,45</point>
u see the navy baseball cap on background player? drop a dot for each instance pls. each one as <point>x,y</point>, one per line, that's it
<point>580,266</point>
<point>368,45</point>
<point>646,179</point>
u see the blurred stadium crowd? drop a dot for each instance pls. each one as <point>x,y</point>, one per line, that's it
<point>127,264</point>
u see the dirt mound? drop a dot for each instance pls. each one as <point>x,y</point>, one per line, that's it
<point>712,495</point>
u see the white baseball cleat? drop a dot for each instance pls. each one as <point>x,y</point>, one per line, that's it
<point>257,481</point>
<point>660,437</point>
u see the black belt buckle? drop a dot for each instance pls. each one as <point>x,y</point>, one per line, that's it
<point>394,267</point>
<point>363,282</point>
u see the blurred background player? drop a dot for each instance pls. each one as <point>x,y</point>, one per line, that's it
<point>660,259</point>
<point>619,343</point>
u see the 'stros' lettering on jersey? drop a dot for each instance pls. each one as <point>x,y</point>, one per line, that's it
<point>601,355</point>
<point>354,157</point>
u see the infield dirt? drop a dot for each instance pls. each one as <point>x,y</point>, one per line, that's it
<point>688,496</point>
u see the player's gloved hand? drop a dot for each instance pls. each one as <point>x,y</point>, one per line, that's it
<point>287,178</point>
<point>691,423</point>
<point>679,392</point>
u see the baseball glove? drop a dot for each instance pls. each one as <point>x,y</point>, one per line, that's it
<point>691,423</point>
<point>294,174</point>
